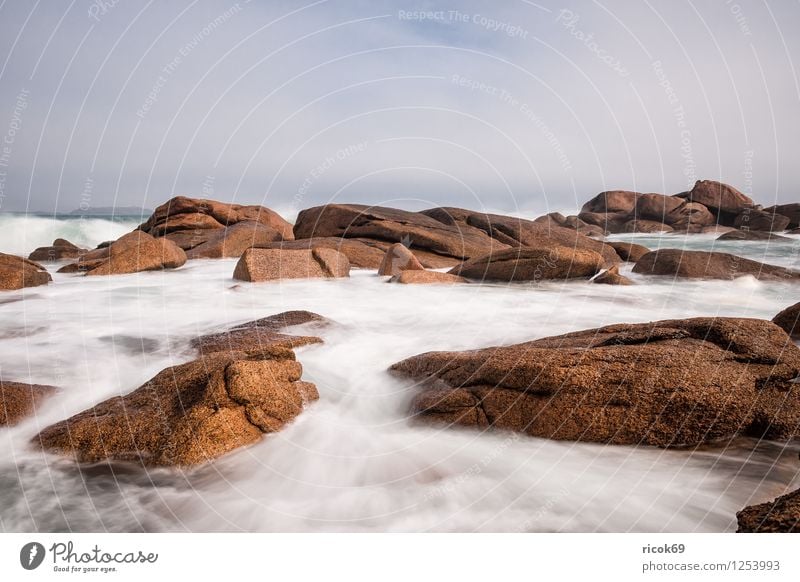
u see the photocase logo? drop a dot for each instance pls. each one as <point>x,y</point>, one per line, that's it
<point>31,555</point>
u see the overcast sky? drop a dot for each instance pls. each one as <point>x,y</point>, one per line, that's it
<point>515,105</point>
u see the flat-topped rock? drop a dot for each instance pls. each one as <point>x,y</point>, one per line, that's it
<point>533,264</point>
<point>414,277</point>
<point>258,264</point>
<point>708,265</point>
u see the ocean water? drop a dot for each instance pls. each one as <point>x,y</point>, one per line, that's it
<point>353,461</point>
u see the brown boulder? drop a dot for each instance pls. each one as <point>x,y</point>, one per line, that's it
<point>611,276</point>
<point>735,234</point>
<point>274,264</point>
<point>16,273</point>
<point>60,249</point>
<point>260,335</point>
<point>19,400</point>
<point>629,251</point>
<point>723,200</point>
<point>533,264</point>
<point>689,216</point>
<point>612,222</point>
<point>645,226</point>
<point>182,213</point>
<point>233,240</point>
<point>427,278</point>
<point>189,414</point>
<point>787,320</point>
<point>710,265</point>
<point>716,229</point>
<point>666,383</point>
<point>791,210</point>
<point>398,259</point>
<point>132,253</point>
<point>759,220</point>
<point>781,515</point>
<point>414,229</point>
<point>612,201</point>
<point>657,207</point>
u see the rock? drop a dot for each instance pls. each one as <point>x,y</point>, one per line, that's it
<point>583,227</point>
<point>690,215</point>
<point>398,259</point>
<point>415,229</point>
<point>710,265</point>
<point>787,320</point>
<point>657,207</point>
<point>427,277</point>
<point>716,229</point>
<point>781,515</point>
<point>629,251</point>
<point>612,201</point>
<point>533,264</point>
<point>182,213</point>
<point>20,400</point>
<point>666,383</point>
<point>611,222</point>
<point>735,234</point>
<point>132,253</point>
<point>791,210</point>
<point>646,226</point>
<point>725,201</point>
<point>759,220</point>
<point>233,240</point>
<point>260,335</point>
<point>16,273</point>
<point>515,232</point>
<point>611,276</point>
<point>190,413</point>
<point>60,249</point>
<point>274,264</point>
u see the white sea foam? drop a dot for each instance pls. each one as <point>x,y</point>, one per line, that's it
<point>353,461</point>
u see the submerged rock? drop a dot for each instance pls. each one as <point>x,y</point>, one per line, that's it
<point>611,276</point>
<point>533,264</point>
<point>735,234</point>
<point>16,273</point>
<point>398,259</point>
<point>18,400</point>
<point>276,264</point>
<point>427,278</point>
<point>666,383</point>
<point>190,413</point>
<point>709,265</point>
<point>781,515</point>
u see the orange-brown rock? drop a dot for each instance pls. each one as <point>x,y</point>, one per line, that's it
<point>691,216</point>
<point>182,213</point>
<point>782,515</point>
<point>666,383</point>
<point>260,335</point>
<point>18,400</point>
<point>398,259</point>
<point>611,276</point>
<point>275,264</point>
<point>629,252</point>
<point>414,229</point>
<point>232,241</point>
<point>787,320</point>
<point>134,252</point>
<point>645,226</point>
<point>533,264</point>
<point>612,201</point>
<point>427,278</point>
<point>735,234</point>
<point>60,249</point>
<point>657,207</point>
<point>725,201</point>
<point>791,211</point>
<point>709,265</point>
<point>758,220</point>
<point>16,273</point>
<point>190,413</point>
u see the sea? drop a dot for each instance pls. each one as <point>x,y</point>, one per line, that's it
<point>354,460</point>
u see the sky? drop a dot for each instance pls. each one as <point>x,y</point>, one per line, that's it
<point>512,106</point>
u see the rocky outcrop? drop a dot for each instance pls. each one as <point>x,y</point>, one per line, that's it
<point>189,414</point>
<point>398,259</point>
<point>261,335</point>
<point>533,264</point>
<point>666,383</point>
<point>736,234</point>
<point>787,320</point>
<point>18,400</point>
<point>725,201</point>
<point>629,252</point>
<point>612,276</point>
<point>427,278</point>
<point>274,264</point>
<point>16,273</point>
<point>709,265</point>
<point>758,220</point>
<point>791,211</point>
<point>132,253</point>
<point>781,515</point>
<point>60,250</point>
<point>232,241</point>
